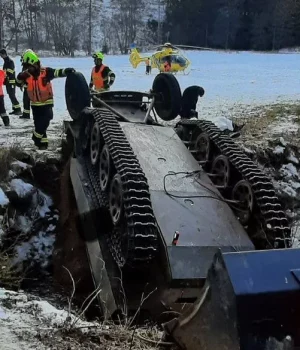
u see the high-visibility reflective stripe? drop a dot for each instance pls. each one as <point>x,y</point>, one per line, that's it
<point>102,89</point>
<point>56,73</point>
<point>10,70</point>
<point>12,81</point>
<point>20,81</point>
<point>26,111</point>
<point>48,102</point>
<point>39,136</point>
<point>16,106</point>
<point>44,140</point>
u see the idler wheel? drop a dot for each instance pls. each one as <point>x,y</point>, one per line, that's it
<point>220,172</point>
<point>95,143</point>
<point>104,168</point>
<point>202,148</point>
<point>243,194</point>
<point>116,199</point>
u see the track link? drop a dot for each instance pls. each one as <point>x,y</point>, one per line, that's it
<point>112,237</point>
<point>141,230</point>
<point>270,214</point>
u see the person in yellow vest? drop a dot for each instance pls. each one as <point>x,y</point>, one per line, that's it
<point>40,92</point>
<point>102,77</point>
<point>148,66</point>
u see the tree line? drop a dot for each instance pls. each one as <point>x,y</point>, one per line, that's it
<point>64,26</point>
<point>234,24</point>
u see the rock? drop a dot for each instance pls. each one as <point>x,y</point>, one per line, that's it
<point>19,167</point>
<point>23,189</point>
<point>20,203</point>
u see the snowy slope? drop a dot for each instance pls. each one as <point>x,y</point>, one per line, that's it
<point>229,79</point>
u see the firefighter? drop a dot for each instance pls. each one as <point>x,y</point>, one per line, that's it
<point>40,92</point>
<point>167,64</point>
<point>3,114</point>
<point>26,100</point>
<point>102,77</point>
<point>148,66</point>
<point>10,82</point>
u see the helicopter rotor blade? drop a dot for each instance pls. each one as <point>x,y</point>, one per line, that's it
<point>193,47</point>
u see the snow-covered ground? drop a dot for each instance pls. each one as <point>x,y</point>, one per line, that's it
<point>234,83</point>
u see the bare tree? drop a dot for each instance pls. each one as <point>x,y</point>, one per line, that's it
<point>127,18</point>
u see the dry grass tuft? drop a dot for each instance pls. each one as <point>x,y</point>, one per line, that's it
<point>9,276</point>
<point>108,337</point>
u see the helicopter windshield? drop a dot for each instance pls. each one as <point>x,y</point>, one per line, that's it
<point>175,59</point>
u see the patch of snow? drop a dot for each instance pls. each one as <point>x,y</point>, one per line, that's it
<point>282,141</point>
<point>21,311</point>
<point>20,187</point>
<point>278,150</point>
<point>53,227</point>
<point>38,249</point>
<point>19,164</point>
<point>224,123</point>
<point>285,188</point>
<point>294,184</point>
<point>289,170</point>
<point>247,150</point>
<point>284,128</point>
<point>23,224</point>
<point>3,199</point>
<point>293,159</point>
<point>2,232</point>
<point>3,315</point>
<point>11,174</point>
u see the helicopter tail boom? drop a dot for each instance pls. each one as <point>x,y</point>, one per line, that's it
<point>135,58</point>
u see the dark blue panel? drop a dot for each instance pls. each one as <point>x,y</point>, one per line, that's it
<point>262,272</point>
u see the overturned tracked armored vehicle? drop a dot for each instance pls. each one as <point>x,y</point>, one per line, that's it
<point>157,202</point>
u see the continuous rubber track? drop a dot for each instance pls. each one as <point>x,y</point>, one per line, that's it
<point>141,234</point>
<point>271,216</point>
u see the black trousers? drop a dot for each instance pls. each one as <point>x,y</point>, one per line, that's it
<point>3,114</point>
<point>41,117</point>
<point>26,103</point>
<point>11,91</point>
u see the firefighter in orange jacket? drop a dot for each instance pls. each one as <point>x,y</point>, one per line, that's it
<point>3,114</point>
<point>39,90</point>
<point>167,64</point>
<point>102,77</point>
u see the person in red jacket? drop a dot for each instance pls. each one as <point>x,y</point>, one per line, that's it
<point>3,114</point>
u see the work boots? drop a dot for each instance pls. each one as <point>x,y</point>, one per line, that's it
<point>16,112</point>
<point>24,116</point>
<point>5,120</point>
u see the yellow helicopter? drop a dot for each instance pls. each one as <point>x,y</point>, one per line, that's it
<point>167,58</point>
